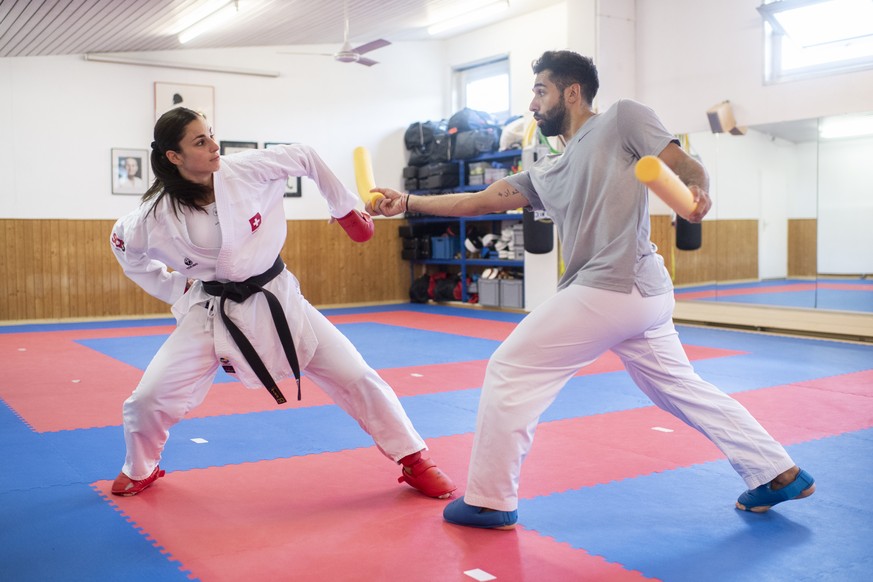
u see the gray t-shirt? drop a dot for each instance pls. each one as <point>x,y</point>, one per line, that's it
<point>599,207</point>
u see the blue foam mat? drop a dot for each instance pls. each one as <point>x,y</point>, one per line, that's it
<point>681,525</point>
<point>70,533</point>
<point>409,347</point>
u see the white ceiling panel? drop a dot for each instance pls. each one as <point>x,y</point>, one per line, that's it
<point>64,27</point>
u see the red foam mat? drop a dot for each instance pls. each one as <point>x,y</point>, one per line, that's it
<point>336,516</point>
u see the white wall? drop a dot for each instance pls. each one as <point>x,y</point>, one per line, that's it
<point>845,215</point>
<point>61,116</point>
<point>692,54</point>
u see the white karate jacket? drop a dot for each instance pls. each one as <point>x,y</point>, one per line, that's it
<point>155,251</point>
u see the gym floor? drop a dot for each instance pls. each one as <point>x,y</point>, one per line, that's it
<point>613,489</point>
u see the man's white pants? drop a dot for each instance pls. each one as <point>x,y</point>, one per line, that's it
<point>182,372</point>
<point>571,330</point>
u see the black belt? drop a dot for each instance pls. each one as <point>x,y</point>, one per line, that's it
<point>239,292</point>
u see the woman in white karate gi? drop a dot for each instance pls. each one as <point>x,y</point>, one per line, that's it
<point>219,224</point>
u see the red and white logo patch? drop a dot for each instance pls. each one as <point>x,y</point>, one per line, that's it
<point>255,221</point>
<point>119,244</point>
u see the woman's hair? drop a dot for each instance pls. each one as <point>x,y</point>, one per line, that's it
<point>169,131</point>
<point>566,68</point>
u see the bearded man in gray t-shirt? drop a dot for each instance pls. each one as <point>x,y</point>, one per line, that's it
<point>615,295</point>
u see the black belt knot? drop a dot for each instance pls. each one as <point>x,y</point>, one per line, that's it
<point>239,292</point>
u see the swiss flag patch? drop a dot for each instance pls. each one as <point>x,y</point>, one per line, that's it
<point>255,221</point>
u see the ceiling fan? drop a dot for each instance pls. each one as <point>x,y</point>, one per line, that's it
<point>347,54</point>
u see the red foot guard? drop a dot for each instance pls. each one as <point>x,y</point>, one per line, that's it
<point>425,476</point>
<point>127,487</point>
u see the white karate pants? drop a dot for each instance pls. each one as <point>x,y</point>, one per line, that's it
<point>571,330</point>
<point>182,372</point>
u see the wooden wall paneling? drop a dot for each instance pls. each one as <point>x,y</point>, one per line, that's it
<point>22,251</point>
<point>6,257</point>
<point>79,299</point>
<point>663,235</point>
<point>728,251</point>
<point>90,283</point>
<point>99,251</point>
<point>7,251</point>
<point>64,232</point>
<point>52,263</point>
<point>334,270</point>
<point>699,266</point>
<point>737,256</point>
<point>802,247</point>
<point>64,269</point>
<point>39,269</point>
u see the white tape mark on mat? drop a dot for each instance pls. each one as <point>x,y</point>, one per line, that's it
<point>480,575</point>
<point>662,429</point>
<point>199,440</point>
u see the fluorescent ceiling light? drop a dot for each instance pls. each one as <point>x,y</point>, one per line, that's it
<point>468,18</point>
<point>221,16</point>
<point>817,22</point>
<point>845,126</point>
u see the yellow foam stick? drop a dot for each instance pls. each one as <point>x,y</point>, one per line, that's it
<point>364,178</point>
<point>661,180</point>
<point>529,132</point>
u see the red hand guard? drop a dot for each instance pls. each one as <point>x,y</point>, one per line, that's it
<point>358,225</point>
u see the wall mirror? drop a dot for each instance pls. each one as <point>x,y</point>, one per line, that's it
<point>792,221</point>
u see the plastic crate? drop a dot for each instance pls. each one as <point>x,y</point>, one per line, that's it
<point>443,247</point>
<point>489,292</point>
<point>511,293</point>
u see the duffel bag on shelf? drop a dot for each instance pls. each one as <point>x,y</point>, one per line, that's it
<point>427,141</point>
<point>475,142</point>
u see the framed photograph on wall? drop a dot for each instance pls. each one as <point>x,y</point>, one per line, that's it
<point>130,171</point>
<point>232,147</point>
<point>293,186</point>
<point>197,97</point>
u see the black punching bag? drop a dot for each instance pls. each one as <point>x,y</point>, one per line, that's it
<point>539,236</point>
<point>688,235</point>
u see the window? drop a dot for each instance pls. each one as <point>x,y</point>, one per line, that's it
<point>484,87</point>
<point>807,38</point>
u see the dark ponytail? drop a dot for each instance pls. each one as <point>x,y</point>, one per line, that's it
<point>169,131</point>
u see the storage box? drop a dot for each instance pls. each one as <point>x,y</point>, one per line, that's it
<point>511,293</point>
<point>489,292</point>
<point>494,174</point>
<point>443,247</point>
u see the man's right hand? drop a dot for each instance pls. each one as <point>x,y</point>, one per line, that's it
<point>392,204</point>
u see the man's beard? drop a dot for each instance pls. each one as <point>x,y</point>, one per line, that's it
<point>553,122</point>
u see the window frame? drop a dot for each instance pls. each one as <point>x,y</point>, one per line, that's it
<point>774,46</point>
<point>463,75</point>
